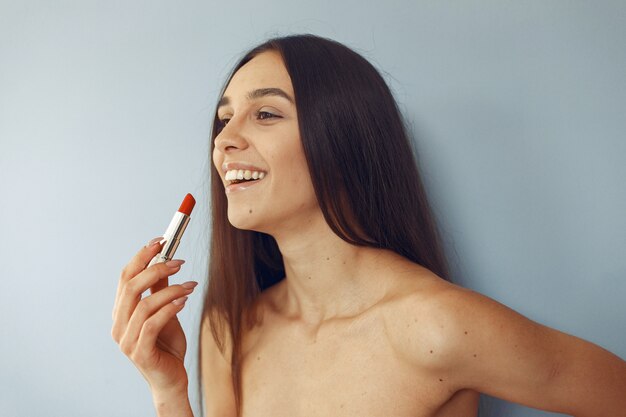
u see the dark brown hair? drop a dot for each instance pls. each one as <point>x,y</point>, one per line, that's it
<point>363,171</point>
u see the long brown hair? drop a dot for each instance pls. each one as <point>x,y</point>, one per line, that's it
<point>363,171</point>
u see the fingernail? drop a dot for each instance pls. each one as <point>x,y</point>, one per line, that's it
<point>174,263</point>
<point>189,285</point>
<point>154,241</point>
<point>180,301</point>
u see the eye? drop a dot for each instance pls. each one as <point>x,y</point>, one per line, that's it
<point>221,123</point>
<point>264,115</point>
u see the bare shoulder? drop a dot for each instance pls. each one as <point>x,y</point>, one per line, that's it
<point>441,324</point>
<point>215,336</point>
<point>215,369</point>
<point>434,323</point>
<point>469,341</point>
<point>421,313</point>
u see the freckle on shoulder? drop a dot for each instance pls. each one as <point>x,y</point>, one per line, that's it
<point>426,306</point>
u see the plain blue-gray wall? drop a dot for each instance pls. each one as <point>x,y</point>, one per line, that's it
<point>517,109</point>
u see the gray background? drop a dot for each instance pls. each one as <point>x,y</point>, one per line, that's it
<point>105,109</point>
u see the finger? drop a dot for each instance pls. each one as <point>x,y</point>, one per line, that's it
<point>137,264</point>
<point>151,305</point>
<point>154,325</point>
<point>131,291</point>
<point>142,258</point>
<point>159,285</point>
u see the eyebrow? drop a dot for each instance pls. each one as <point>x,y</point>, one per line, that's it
<point>258,93</point>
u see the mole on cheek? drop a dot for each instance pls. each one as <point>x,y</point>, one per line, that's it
<point>250,211</point>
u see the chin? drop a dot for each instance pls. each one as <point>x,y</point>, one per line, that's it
<point>243,220</point>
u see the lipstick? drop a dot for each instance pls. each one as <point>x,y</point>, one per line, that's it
<point>175,230</point>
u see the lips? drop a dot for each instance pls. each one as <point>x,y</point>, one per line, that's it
<point>240,175</point>
<point>241,186</point>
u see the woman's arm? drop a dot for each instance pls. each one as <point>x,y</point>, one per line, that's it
<point>174,403</point>
<point>483,345</point>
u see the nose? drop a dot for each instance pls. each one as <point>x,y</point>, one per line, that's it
<point>231,138</point>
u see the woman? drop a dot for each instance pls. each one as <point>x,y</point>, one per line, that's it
<point>327,286</point>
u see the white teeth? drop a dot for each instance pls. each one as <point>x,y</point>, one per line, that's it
<point>241,174</point>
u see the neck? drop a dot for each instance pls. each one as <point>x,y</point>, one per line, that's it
<point>326,277</point>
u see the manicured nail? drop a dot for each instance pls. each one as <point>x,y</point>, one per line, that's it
<point>154,241</point>
<point>180,301</point>
<point>190,285</point>
<point>174,263</point>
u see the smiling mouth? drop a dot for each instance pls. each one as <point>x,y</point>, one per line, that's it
<point>240,176</point>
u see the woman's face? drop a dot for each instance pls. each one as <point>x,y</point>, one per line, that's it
<point>260,134</point>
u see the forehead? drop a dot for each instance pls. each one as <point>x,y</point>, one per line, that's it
<point>265,70</point>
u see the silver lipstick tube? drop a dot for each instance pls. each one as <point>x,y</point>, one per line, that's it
<point>172,237</point>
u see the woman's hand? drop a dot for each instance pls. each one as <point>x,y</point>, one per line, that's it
<point>147,330</point>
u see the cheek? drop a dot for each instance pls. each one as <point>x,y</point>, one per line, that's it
<point>218,159</point>
<point>300,184</point>
<point>291,168</point>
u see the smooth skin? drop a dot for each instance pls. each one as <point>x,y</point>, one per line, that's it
<point>350,330</point>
